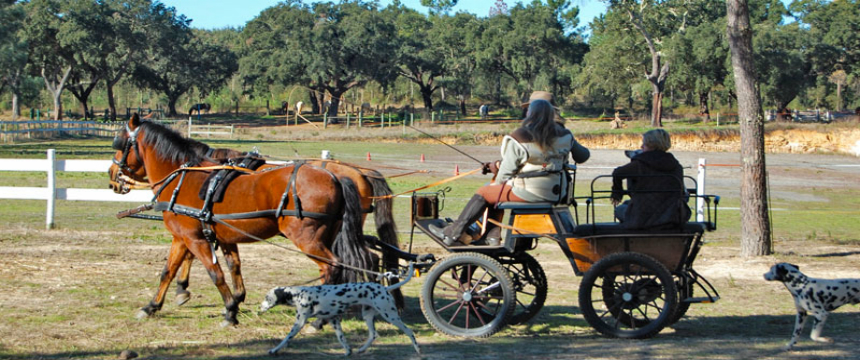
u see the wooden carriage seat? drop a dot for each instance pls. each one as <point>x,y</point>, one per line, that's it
<point>538,217</point>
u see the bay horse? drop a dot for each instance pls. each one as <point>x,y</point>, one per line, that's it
<point>317,212</point>
<point>373,191</point>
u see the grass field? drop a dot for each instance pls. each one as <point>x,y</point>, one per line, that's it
<point>73,292</point>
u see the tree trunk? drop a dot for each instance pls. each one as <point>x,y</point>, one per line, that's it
<point>755,224</point>
<point>656,106</point>
<point>838,96</point>
<point>316,102</point>
<point>111,101</point>
<point>16,109</point>
<point>171,105</point>
<point>703,106</point>
<point>335,102</point>
<point>55,87</point>
<point>426,96</point>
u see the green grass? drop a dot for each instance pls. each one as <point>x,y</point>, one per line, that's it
<point>73,292</point>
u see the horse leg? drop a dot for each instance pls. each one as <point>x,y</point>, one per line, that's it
<point>182,293</point>
<point>203,252</point>
<point>178,250</point>
<point>231,257</point>
<point>308,236</point>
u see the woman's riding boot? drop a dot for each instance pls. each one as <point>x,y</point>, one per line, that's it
<point>494,235</point>
<point>473,210</point>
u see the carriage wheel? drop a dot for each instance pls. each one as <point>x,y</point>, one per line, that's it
<point>468,295</point>
<point>530,283</point>
<point>634,293</point>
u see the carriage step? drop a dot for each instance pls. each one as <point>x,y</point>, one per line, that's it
<point>703,299</point>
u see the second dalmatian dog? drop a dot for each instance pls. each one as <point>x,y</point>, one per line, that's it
<point>813,296</point>
<point>330,302</point>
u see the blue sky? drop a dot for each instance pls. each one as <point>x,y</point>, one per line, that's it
<point>214,14</point>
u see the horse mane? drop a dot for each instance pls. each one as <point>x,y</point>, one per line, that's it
<point>169,145</point>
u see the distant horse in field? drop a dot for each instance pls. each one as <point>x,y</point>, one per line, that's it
<point>320,214</point>
<point>199,107</point>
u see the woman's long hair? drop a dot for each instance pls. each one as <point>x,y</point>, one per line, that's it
<point>540,122</point>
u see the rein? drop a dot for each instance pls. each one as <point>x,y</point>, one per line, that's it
<point>336,263</point>
<point>440,182</point>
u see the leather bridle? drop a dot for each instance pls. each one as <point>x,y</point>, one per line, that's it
<point>122,179</point>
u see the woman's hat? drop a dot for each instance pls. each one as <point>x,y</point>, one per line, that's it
<point>539,95</point>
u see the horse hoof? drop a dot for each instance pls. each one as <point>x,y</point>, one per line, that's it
<point>229,323</point>
<point>142,315</point>
<point>182,298</point>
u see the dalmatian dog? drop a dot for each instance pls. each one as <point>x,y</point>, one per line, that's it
<point>330,302</point>
<point>815,296</point>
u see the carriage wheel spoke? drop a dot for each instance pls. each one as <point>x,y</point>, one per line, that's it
<point>455,302</point>
<point>477,314</point>
<point>451,320</point>
<point>632,319</point>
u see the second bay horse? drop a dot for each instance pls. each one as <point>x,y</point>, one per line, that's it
<point>320,214</point>
<point>374,194</point>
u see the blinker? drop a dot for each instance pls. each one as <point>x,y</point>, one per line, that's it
<point>118,142</point>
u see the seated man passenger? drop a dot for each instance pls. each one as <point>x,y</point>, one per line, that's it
<point>655,201</point>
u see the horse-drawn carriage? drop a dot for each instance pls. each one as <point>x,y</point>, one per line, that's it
<point>634,283</point>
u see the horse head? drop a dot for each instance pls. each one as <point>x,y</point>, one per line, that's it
<point>127,171</point>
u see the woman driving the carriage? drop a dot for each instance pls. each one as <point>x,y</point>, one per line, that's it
<point>652,176</point>
<point>531,170</point>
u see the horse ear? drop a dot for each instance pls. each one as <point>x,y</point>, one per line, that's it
<point>134,122</point>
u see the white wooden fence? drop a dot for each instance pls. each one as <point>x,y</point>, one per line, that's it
<point>209,129</point>
<point>51,193</point>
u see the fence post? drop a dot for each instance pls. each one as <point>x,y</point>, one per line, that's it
<point>325,120</point>
<point>52,190</point>
<point>189,126</point>
<point>231,131</point>
<point>700,190</point>
<point>347,120</point>
<point>718,119</point>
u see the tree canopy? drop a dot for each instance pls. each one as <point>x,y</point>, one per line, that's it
<point>638,55</point>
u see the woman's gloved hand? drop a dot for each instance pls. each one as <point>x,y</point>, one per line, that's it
<point>490,167</point>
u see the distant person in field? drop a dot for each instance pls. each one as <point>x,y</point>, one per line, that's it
<point>484,111</point>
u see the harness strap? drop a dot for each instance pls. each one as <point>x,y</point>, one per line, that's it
<point>322,259</point>
<point>197,213</point>
<point>176,191</point>
<point>291,186</point>
<point>295,190</point>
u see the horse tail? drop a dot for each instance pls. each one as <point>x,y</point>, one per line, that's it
<point>383,212</point>
<point>349,246</point>
<point>386,228</point>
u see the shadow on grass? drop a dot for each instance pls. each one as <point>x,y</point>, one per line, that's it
<point>556,333</point>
